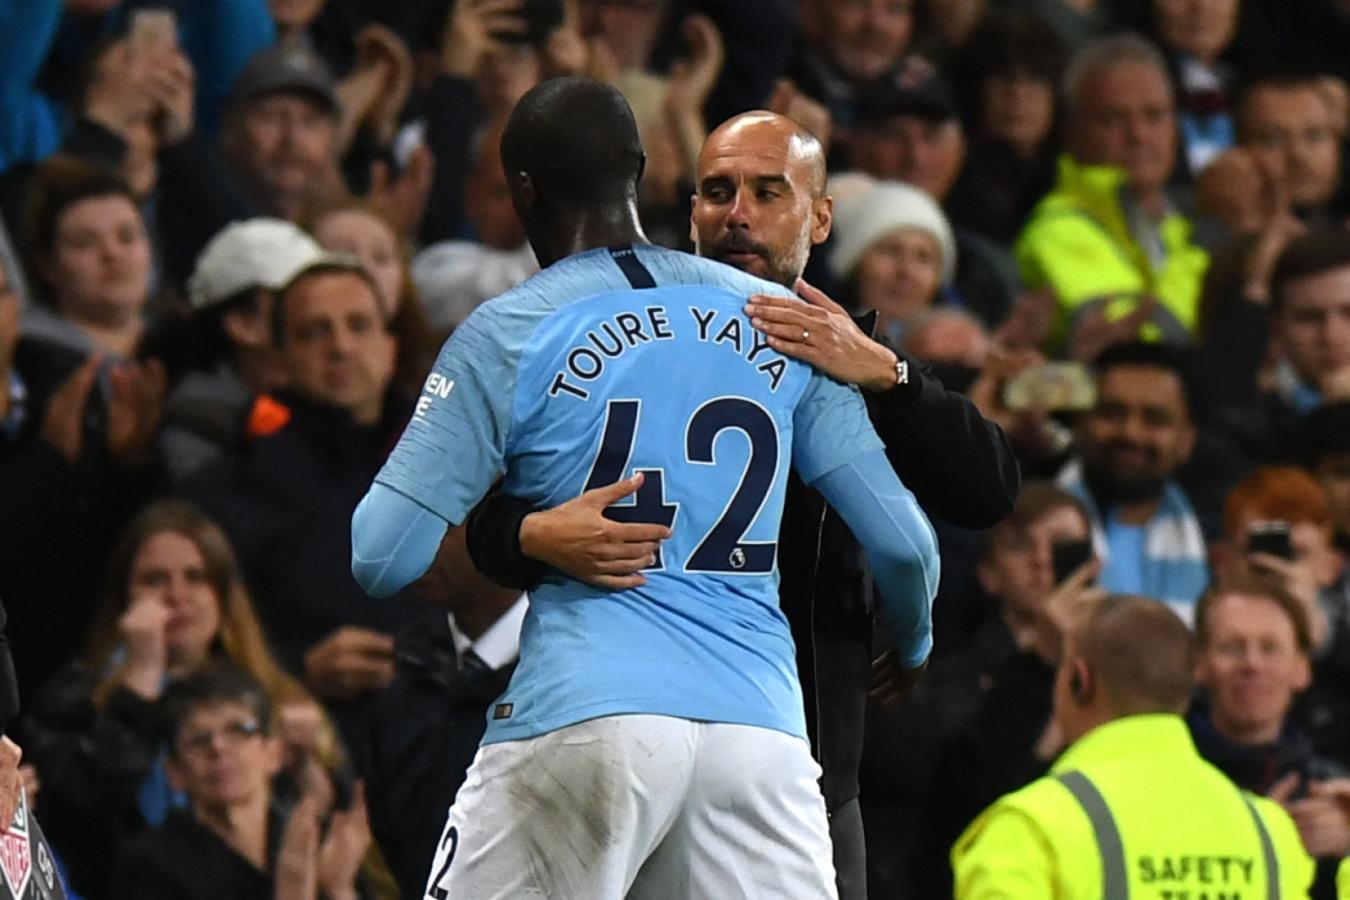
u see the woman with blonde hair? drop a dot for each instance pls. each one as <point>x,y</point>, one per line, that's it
<point>175,604</point>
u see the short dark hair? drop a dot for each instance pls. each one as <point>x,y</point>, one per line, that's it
<point>59,183</point>
<point>1005,43</point>
<point>577,140</point>
<point>1153,355</point>
<point>322,267</point>
<point>1326,432</point>
<point>209,687</point>
<point>1035,501</point>
<point>1285,77</point>
<point>1141,653</point>
<point>1310,254</point>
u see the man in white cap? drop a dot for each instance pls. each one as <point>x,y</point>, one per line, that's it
<point>227,345</point>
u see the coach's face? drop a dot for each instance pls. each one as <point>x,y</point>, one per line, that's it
<point>760,204</point>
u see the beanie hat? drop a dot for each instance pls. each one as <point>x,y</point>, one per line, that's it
<point>861,219</point>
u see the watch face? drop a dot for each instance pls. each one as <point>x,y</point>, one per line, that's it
<point>901,372</point>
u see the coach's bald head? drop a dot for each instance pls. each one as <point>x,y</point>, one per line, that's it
<point>760,201</point>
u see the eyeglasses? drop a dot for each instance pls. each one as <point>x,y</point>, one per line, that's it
<point>233,734</point>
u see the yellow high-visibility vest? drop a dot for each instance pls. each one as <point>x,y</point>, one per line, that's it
<point>1132,812</point>
<point>1078,242</point>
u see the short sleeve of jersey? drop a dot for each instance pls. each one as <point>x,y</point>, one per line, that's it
<point>830,428</point>
<point>454,446</point>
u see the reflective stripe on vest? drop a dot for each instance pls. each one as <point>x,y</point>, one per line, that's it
<point>1115,884</point>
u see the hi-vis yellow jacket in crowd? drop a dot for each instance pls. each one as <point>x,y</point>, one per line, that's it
<point>1131,810</point>
<point>1078,242</point>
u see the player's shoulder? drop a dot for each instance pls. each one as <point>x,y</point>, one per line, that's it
<point>678,267</point>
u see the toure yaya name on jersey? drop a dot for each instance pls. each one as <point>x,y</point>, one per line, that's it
<point>615,336</point>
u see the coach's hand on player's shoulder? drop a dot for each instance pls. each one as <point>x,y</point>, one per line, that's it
<point>578,540</point>
<point>822,333</point>
<point>350,662</point>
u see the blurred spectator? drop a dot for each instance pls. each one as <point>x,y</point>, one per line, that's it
<point>454,277</point>
<point>848,44</point>
<point>75,455</point>
<point>286,499</point>
<point>1314,574</point>
<point>223,356</point>
<point>1253,647</point>
<point>1327,442</point>
<point>30,123</point>
<point>355,229</point>
<point>894,252</point>
<point>1289,125</point>
<point>281,132</point>
<point>90,254</point>
<point>1129,449</point>
<point>232,840</point>
<point>952,341</point>
<point>1196,36</point>
<point>1011,67</point>
<point>1311,321</point>
<point>450,667</point>
<point>175,603</point>
<point>972,729</point>
<point>1130,777</point>
<point>1108,232</point>
<point>908,130</point>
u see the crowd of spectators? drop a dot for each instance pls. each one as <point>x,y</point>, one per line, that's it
<point>234,233</point>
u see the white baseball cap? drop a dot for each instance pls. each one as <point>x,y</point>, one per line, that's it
<point>255,253</point>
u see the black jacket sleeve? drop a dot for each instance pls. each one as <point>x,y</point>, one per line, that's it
<point>959,465</point>
<point>493,540</point>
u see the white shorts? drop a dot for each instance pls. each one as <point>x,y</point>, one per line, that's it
<point>640,807</point>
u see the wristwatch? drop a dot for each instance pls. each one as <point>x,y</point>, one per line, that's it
<point>901,371</point>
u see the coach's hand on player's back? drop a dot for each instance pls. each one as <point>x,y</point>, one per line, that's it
<point>350,662</point>
<point>822,333</point>
<point>578,540</point>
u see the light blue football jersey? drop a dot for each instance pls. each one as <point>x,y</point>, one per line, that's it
<point>637,359</point>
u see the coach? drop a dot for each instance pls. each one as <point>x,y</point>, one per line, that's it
<point>760,205</point>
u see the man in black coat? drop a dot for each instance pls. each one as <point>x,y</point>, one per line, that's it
<point>760,206</point>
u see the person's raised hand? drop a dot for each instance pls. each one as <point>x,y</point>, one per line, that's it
<point>350,662</point>
<point>297,862</point>
<point>172,86</point>
<point>344,848</point>
<point>1066,607</point>
<point>822,333</point>
<point>1322,819</point>
<point>135,408</point>
<point>63,422</point>
<point>1095,330</point>
<point>787,100</point>
<point>119,96</point>
<point>403,200</point>
<point>471,30</point>
<point>381,48</point>
<point>142,628</point>
<point>577,539</point>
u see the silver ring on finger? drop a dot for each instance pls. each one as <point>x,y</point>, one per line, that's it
<point>806,335</point>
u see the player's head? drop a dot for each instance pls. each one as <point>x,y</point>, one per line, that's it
<point>760,201</point>
<point>570,151</point>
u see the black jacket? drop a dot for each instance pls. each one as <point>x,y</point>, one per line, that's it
<point>183,860</point>
<point>425,731</point>
<point>959,466</point>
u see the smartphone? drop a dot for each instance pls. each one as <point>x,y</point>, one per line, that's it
<point>1054,387</point>
<point>1271,538</point>
<point>1068,556</point>
<point>152,31</point>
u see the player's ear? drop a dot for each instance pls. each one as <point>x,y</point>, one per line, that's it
<point>523,193</point>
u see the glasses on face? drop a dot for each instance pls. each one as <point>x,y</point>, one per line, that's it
<point>199,743</point>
